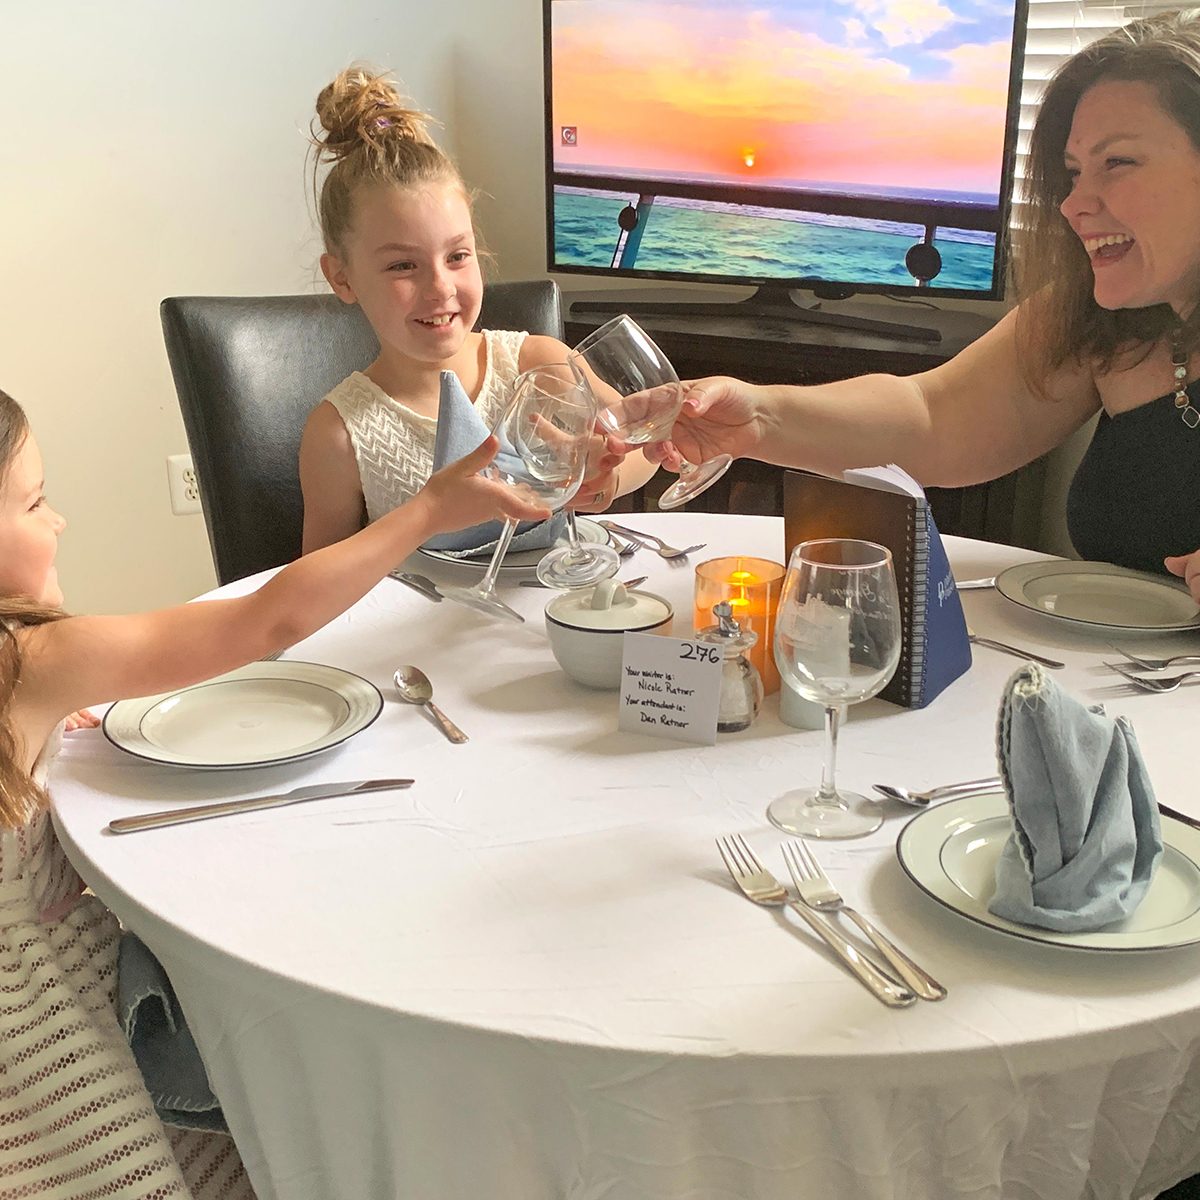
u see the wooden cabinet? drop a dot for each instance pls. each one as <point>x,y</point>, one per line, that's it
<point>773,350</point>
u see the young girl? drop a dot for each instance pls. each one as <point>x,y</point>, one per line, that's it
<point>75,1118</point>
<point>399,240</point>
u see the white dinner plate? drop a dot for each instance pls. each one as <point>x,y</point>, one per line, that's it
<point>262,713</point>
<point>524,560</point>
<point>950,852</point>
<point>1101,596</point>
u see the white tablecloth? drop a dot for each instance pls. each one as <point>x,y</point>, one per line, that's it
<point>528,977</point>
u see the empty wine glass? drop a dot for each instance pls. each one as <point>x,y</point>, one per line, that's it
<point>837,641</point>
<point>543,433</point>
<point>642,398</point>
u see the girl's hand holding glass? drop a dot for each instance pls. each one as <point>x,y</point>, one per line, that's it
<point>837,641</point>
<point>640,397</point>
<point>543,434</point>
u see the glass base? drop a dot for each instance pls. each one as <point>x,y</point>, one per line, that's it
<point>698,479</point>
<point>801,813</point>
<point>567,568</point>
<point>481,602</point>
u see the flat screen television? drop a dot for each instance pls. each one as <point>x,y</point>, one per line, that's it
<point>839,146</point>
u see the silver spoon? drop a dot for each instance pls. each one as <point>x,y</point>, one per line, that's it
<point>946,792</point>
<point>414,687</point>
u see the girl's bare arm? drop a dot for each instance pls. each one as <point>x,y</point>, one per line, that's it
<point>329,480</point>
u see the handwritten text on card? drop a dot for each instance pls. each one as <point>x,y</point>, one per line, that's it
<point>670,688</point>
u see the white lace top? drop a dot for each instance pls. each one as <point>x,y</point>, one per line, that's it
<point>76,1122</point>
<point>393,445</point>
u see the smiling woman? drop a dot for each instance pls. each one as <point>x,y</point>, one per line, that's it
<point>1109,323</point>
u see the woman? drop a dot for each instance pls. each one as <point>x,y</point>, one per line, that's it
<point>1108,323</point>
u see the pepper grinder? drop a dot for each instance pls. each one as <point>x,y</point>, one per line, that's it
<point>741,684</point>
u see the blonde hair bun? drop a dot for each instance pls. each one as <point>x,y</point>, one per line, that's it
<point>364,110</point>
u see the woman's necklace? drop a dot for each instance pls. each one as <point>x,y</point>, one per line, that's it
<point>1179,360</point>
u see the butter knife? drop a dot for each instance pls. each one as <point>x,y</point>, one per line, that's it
<point>223,808</point>
<point>630,584</point>
<point>419,583</point>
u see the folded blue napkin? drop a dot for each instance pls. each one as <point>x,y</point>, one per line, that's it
<point>1086,839</point>
<point>460,429</point>
<point>162,1044</point>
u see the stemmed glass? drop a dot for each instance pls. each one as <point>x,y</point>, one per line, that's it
<point>543,432</point>
<point>647,399</point>
<point>837,641</point>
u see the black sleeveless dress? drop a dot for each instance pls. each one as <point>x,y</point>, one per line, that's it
<point>1136,495</point>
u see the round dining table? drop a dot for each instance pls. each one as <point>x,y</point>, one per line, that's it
<point>529,976</point>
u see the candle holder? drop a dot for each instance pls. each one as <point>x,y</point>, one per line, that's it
<point>752,587</point>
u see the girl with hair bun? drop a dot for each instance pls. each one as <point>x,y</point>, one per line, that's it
<point>400,242</point>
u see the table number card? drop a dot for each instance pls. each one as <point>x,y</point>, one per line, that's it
<point>671,688</point>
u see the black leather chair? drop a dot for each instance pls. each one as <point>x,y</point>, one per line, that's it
<point>249,370</point>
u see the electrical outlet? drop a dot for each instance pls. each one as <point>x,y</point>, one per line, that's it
<point>185,490</point>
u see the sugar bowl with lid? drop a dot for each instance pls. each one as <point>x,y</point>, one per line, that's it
<point>586,629</point>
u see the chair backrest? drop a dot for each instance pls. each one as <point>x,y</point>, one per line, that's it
<point>250,369</point>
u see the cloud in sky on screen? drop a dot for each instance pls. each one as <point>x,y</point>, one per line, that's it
<point>906,93</point>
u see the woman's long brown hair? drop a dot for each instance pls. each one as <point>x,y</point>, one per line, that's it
<point>1060,316</point>
<point>20,795</point>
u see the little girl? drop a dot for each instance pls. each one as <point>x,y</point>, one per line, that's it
<point>399,242</point>
<point>76,1121</point>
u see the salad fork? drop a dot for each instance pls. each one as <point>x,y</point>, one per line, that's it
<point>661,548</point>
<point>1154,683</point>
<point>1155,664</point>
<point>756,883</point>
<point>817,891</point>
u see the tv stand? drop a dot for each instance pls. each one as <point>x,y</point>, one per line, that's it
<point>771,302</point>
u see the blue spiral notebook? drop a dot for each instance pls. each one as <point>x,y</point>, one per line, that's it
<point>888,506</point>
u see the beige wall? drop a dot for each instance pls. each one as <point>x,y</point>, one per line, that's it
<point>154,149</point>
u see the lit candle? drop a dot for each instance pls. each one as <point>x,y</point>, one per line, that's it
<point>752,586</point>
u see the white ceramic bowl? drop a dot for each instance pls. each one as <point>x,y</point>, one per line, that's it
<point>586,629</point>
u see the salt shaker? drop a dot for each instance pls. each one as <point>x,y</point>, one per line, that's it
<point>741,684</point>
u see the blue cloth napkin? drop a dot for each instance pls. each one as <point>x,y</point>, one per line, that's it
<point>162,1044</point>
<point>1086,838</point>
<point>460,429</point>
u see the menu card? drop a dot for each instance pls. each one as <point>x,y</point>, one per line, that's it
<point>886,505</point>
<point>670,688</point>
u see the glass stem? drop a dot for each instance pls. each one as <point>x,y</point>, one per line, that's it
<point>487,585</point>
<point>828,790</point>
<point>575,552</point>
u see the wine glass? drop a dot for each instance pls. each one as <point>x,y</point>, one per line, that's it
<point>543,432</point>
<point>837,641</point>
<point>642,398</point>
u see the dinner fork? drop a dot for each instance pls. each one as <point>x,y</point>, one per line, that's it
<point>1155,664</point>
<point>817,891</point>
<point>1154,683</point>
<point>661,548</point>
<point>756,883</point>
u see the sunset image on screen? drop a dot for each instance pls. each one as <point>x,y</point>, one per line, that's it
<point>676,108</point>
<point>910,93</point>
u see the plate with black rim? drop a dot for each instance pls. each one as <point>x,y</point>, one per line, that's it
<point>1101,596</point>
<point>950,850</point>
<point>523,560</point>
<point>259,715</point>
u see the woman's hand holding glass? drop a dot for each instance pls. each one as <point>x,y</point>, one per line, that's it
<point>719,416</point>
<point>837,641</point>
<point>640,397</point>
<point>544,435</point>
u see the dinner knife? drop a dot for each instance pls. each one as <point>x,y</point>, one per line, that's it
<point>223,808</point>
<point>419,583</point>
